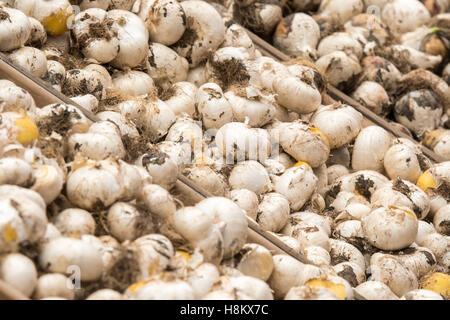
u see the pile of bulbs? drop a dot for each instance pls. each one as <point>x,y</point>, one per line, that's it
<point>392,56</point>
<point>179,89</point>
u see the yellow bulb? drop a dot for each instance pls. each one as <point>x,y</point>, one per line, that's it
<point>404,210</point>
<point>410,213</point>
<point>10,233</point>
<point>28,131</point>
<point>218,281</point>
<point>302,163</point>
<point>135,286</point>
<point>426,181</point>
<point>56,23</point>
<point>407,212</point>
<point>434,30</point>
<point>431,138</point>
<point>184,254</point>
<point>358,195</point>
<point>75,234</point>
<point>78,162</point>
<point>152,269</point>
<point>337,288</point>
<point>200,159</point>
<point>324,137</point>
<point>439,283</point>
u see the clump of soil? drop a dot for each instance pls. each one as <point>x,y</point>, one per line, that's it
<point>444,190</point>
<point>402,107</point>
<point>113,98</point>
<point>31,250</point>
<point>161,226</point>
<point>333,191</point>
<point>59,121</point>
<point>212,94</point>
<point>53,78</point>
<point>124,273</point>
<point>135,146</point>
<point>319,81</point>
<point>225,170</point>
<point>249,17</point>
<point>328,25</point>
<point>166,94</point>
<point>144,224</point>
<point>348,275</point>
<point>336,259</point>
<point>95,87</point>
<point>363,186</point>
<point>424,163</point>
<point>330,212</point>
<point>3,15</point>
<point>154,157</point>
<point>311,229</point>
<point>406,251</point>
<point>445,226</point>
<point>61,203</point>
<point>97,31</point>
<point>424,79</point>
<point>189,37</point>
<point>52,148</point>
<point>99,216</point>
<point>347,86</point>
<point>398,58</point>
<point>69,61</point>
<point>402,187</point>
<point>229,72</point>
<point>429,256</point>
<point>238,257</point>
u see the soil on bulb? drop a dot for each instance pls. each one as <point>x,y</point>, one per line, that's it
<point>403,188</point>
<point>52,148</point>
<point>166,94</point>
<point>74,60</point>
<point>319,81</point>
<point>189,37</point>
<point>83,88</point>
<point>362,186</point>
<point>4,15</point>
<point>249,17</point>
<point>59,122</point>
<point>444,190</point>
<point>97,31</point>
<point>135,146</point>
<point>53,78</point>
<point>229,72</point>
<point>348,274</point>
